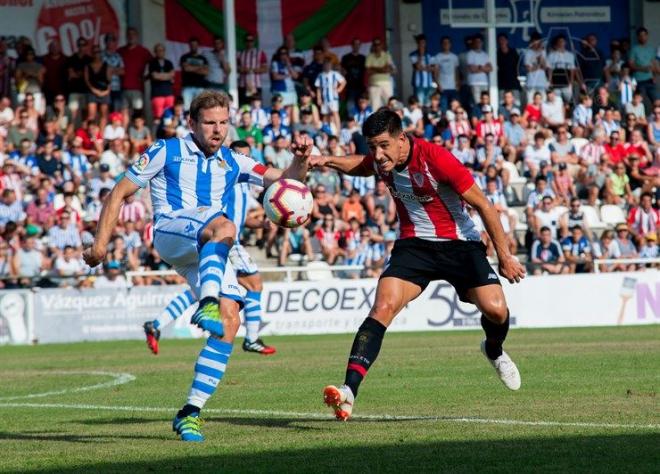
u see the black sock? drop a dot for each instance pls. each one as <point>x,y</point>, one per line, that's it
<point>366,346</point>
<point>188,410</point>
<point>495,336</point>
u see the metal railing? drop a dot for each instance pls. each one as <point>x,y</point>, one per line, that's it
<point>613,261</point>
<point>287,270</point>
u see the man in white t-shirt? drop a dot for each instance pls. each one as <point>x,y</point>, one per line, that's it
<point>68,265</point>
<point>446,73</point>
<point>536,153</point>
<point>112,277</point>
<point>562,69</point>
<point>547,216</point>
<point>478,66</point>
<point>552,110</point>
<point>536,66</point>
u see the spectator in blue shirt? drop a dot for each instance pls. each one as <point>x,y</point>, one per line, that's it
<point>577,251</point>
<point>275,128</point>
<point>546,255</point>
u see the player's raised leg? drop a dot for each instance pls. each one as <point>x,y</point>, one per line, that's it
<point>209,371</point>
<point>495,321</point>
<point>392,294</point>
<point>215,239</point>
<point>174,309</point>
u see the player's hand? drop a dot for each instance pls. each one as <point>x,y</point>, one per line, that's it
<point>302,147</point>
<point>316,161</point>
<point>511,269</point>
<point>94,255</point>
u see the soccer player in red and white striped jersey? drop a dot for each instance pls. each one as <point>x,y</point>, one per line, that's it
<point>437,241</point>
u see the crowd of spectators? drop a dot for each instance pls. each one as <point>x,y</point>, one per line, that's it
<point>568,153</point>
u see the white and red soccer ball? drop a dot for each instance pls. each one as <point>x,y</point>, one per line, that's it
<point>288,203</point>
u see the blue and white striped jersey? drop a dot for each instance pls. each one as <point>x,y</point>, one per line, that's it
<point>181,177</point>
<point>327,83</point>
<point>421,78</point>
<point>239,202</point>
<point>77,163</point>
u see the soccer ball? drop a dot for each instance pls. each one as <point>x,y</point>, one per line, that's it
<point>288,203</point>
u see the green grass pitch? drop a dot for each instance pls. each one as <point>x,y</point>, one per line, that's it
<point>590,397</point>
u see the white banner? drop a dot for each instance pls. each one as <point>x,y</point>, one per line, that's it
<point>333,306</point>
<point>340,306</point>
<point>16,322</point>
<point>66,20</point>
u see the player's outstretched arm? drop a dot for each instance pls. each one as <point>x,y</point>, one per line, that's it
<point>510,267</point>
<point>108,220</point>
<point>353,165</point>
<point>301,149</point>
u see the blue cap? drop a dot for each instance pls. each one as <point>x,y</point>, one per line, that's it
<point>113,265</point>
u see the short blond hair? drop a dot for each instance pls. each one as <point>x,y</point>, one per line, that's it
<point>208,99</point>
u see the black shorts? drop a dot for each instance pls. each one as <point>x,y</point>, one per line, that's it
<point>463,264</point>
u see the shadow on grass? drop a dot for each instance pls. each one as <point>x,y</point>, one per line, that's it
<point>275,422</point>
<point>572,453</point>
<point>72,438</point>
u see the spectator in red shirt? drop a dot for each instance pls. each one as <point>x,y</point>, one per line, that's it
<point>92,139</point>
<point>328,236</point>
<point>488,125</point>
<point>136,57</point>
<point>615,149</point>
<point>533,110</point>
<point>55,76</point>
<point>639,148</point>
<point>40,210</point>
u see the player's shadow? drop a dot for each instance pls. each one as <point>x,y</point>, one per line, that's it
<point>72,438</point>
<point>537,452</point>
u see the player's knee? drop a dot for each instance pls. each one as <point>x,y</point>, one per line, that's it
<point>383,311</point>
<point>220,230</point>
<point>495,310</point>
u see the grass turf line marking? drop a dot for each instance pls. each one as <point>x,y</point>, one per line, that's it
<point>319,416</point>
<point>119,378</point>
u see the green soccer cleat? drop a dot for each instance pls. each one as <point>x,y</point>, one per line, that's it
<point>188,428</point>
<point>207,317</point>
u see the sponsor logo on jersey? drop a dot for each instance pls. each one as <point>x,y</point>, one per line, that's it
<point>409,196</point>
<point>492,276</point>
<point>183,159</point>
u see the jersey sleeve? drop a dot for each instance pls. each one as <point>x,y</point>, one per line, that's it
<point>249,170</point>
<point>445,168</point>
<point>369,163</point>
<point>148,164</point>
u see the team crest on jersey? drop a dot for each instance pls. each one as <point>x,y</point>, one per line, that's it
<point>418,178</point>
<point>142,162</point>
<point>223,164</point>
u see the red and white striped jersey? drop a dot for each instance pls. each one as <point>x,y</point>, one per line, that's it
<point>253,59</point>
<point>427,192</point>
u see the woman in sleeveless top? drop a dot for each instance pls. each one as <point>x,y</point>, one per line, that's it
<point>654,128</point>
<point>97,78</point>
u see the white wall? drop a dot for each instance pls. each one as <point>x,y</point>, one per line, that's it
<point>151,22</point>
<point>407,22</point>
<point>651,20</point>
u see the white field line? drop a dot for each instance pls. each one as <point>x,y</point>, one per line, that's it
<point>320,416</point>
<point>118,378</point>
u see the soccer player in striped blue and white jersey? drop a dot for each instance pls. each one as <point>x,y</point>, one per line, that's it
<point>329,84</point>
<point>191,180</point>
<point>247,274</point>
